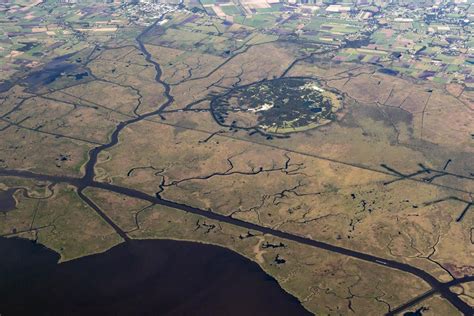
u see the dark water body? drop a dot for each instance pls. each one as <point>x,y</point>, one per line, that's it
<point>359,42</point>
<point>388,71</point>
<point>48,74</point>
<point>140,277</point>
<point>7,201</point>
<point>418,312</point>
<point>27,46</point>
<point>5,86</point>
<point>81,75</point>
<point>53,70</point>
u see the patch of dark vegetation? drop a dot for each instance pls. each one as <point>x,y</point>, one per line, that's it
<point>270,245</point>
<point>276,106</point>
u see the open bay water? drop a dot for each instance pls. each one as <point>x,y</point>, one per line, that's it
<point>140,277</point>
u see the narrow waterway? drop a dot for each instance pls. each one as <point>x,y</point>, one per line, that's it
<point>437,286</point>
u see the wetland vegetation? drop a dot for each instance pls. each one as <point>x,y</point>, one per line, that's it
<point>194,128</point>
